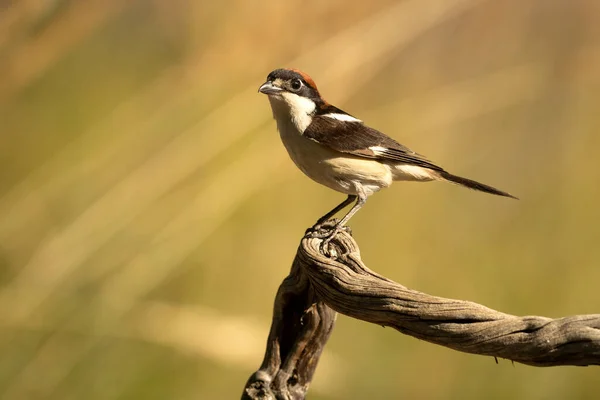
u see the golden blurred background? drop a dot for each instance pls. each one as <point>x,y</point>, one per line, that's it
<point>148,211</point>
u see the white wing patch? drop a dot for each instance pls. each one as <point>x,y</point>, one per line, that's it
<point>342,117</point>
<point>378,150</point>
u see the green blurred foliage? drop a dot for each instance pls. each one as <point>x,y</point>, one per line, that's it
<point>148,211</point>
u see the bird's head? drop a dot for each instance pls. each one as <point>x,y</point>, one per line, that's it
<point>292,92</point>
<point>290,81</point>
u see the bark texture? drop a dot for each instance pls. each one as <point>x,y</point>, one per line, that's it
<point>323,281</point>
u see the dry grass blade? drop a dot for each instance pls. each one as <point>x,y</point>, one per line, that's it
<point>452,104</point>
<point>199,331</point>
<point>37,55</point>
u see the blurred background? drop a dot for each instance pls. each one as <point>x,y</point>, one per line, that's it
<point>148,211</point>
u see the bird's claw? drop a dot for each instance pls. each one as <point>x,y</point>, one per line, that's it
<point>325,249</point>
<point>321,230</point>
<point>326,231</point>
<point>322,233</point>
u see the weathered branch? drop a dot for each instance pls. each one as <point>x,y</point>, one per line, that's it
<point>349,287</point>
<point>300,328</point>
<point>345,284</point>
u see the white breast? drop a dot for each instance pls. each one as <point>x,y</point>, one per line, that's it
<point>331,168</point>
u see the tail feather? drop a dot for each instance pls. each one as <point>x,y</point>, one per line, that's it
<point>471,184</point>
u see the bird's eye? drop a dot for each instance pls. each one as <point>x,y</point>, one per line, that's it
<point>296,85</point>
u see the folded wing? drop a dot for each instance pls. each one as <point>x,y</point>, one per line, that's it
<point>350,135</point>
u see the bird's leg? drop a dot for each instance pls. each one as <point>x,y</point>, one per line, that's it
<point>361,199</point>
<point>338,208</point>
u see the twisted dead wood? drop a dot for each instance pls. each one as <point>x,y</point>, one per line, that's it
<point>318,284</point>
<point>300,328</point>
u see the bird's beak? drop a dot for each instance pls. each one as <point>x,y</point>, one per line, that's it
<point>269,88</point>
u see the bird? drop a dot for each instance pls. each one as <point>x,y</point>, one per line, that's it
<point>340,151</point>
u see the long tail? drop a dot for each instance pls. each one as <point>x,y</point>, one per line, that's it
<point>471,184</point>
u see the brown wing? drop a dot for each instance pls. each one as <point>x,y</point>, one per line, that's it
<point>354,137</point>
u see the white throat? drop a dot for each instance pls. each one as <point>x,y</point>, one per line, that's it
<point>289,107</point>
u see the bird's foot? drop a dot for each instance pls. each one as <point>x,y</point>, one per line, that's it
<point>326,231</point>
<point>321,228</point>
<point>325,248</point>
